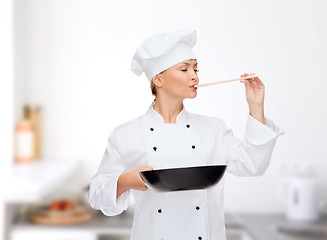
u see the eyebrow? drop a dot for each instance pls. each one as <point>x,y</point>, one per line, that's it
<point>188,63</point>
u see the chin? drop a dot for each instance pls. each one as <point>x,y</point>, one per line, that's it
<point>193,96</point>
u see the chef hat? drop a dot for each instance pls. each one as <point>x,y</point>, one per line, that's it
<point>163,50</point>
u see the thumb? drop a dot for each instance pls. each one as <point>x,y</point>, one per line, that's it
<point>146,168</point>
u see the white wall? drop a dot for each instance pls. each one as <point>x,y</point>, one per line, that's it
<point>7,108</point>
<point>74,57</point>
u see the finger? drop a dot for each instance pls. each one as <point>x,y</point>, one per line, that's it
<point>246,81</point>
<point>253,74</point>
<point>247,75</point>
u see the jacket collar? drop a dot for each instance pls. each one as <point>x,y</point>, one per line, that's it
<point>156,116</point>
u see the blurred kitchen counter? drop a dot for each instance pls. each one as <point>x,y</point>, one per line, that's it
<point>265,227</point>
<point>257,226</point>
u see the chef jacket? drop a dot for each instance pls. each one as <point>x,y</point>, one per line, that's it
<point>194,140</point>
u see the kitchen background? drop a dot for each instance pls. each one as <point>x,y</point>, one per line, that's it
<point>71,78</point>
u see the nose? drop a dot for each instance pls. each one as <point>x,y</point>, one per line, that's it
<point>195,76</point>
<point>195,79</point>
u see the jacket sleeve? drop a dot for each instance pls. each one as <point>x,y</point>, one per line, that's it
<point>103,186</point>
<point>251,156</point>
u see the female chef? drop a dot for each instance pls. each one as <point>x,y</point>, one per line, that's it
<point>168,136</point>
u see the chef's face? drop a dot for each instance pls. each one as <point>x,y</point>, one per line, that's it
<point>178,80</point>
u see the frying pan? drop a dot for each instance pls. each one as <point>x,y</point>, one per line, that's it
<point>186,178</point>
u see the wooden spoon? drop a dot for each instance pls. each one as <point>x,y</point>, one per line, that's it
<point>217,82</point>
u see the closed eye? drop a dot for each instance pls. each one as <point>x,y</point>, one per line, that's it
<point>184,70</point>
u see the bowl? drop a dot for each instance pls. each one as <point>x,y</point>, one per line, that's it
<point>186,178</point>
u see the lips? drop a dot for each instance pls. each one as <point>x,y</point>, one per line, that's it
<point>192,86</point>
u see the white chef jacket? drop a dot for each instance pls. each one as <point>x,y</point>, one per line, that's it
<point>194,140</point>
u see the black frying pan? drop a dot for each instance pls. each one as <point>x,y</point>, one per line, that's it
<point>186,178</point>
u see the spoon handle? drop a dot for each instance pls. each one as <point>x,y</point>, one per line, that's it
<point>217,82</point>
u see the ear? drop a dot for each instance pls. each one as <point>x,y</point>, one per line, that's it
<point>158,80</point>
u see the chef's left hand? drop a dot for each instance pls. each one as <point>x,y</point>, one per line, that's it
<point>255,90</point>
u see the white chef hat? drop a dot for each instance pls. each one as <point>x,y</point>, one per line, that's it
<point>163,50</point>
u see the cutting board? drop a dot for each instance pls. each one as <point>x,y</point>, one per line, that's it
<point>45,216</point>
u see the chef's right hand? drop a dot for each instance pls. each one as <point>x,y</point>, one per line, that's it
<point>135,179</point>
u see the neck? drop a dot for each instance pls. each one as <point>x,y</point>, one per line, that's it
<point>168,108</point>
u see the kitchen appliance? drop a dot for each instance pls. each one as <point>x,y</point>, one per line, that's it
<point>186,178</point>
<point>299,191</point>
<point>301,199</point>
